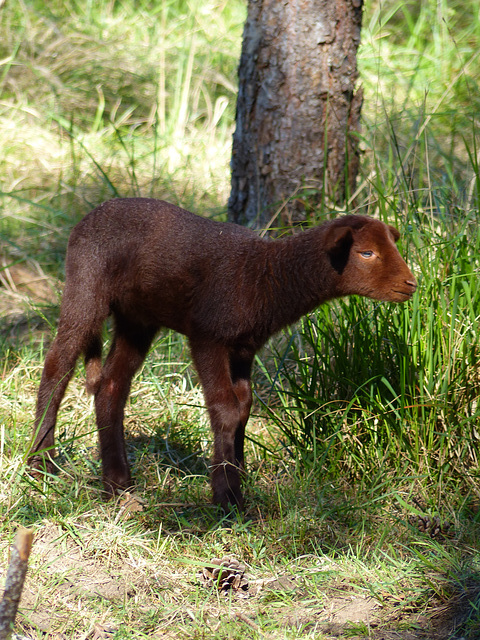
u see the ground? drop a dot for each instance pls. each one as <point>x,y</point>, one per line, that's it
<point>69,578</point>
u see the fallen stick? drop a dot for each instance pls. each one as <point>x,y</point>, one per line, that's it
<point>16,573</point>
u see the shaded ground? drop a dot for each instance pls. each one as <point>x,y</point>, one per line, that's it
<point>66,578</point>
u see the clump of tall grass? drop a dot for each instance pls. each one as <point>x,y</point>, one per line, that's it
<point>366,384</point>
<point>362,387</point>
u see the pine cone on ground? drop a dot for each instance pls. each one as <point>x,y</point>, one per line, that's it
<point>431,525</point>
<point>225,573</point>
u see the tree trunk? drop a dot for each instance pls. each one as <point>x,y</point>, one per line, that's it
<point>297,109</point>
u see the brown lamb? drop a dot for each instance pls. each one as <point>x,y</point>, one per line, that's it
<point>150,264</point>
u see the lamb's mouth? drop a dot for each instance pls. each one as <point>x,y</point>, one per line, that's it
<point>406,294</point>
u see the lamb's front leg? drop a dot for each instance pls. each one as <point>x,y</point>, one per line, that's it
<point>227,418</point>
<point>241,360</point>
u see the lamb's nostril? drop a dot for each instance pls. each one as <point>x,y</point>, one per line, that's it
<point>411,283</point>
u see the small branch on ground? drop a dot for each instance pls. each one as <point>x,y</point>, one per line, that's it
<point>17,570</point>
<point>252,624</point>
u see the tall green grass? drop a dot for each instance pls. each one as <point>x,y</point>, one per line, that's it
<point>364,384</point>
<point>419,67</point>
<point>112,99</point>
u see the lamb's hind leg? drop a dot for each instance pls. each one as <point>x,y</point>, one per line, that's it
<point>128,351</point>
<point>81,318</point>
<point>57,372</point>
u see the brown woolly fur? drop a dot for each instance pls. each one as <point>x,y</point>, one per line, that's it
<point>150,264</point>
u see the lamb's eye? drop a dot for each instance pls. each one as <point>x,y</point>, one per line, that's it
<point>366,254</point>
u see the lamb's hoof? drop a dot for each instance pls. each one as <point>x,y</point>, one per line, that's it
<point>231,502</point>
<point>112,488</point>
<point>226,488</point>
<point>40,465</point>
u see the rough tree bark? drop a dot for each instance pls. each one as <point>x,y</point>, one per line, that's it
<point>297,108</point>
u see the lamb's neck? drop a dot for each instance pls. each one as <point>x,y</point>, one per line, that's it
<point>302,277</point>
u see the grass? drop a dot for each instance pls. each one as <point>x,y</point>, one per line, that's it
<point>421,375</point>
<point>365,424</point>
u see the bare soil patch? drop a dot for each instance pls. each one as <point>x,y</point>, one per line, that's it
<point>26,293</point>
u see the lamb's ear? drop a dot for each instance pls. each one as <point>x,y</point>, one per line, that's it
<point>395,233</point>
<point>337,237</point>
<point>338,244</point>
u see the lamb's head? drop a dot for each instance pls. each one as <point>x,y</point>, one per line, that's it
<point>363,252</point>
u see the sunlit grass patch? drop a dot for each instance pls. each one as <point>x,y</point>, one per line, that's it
<point>110,101</point>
